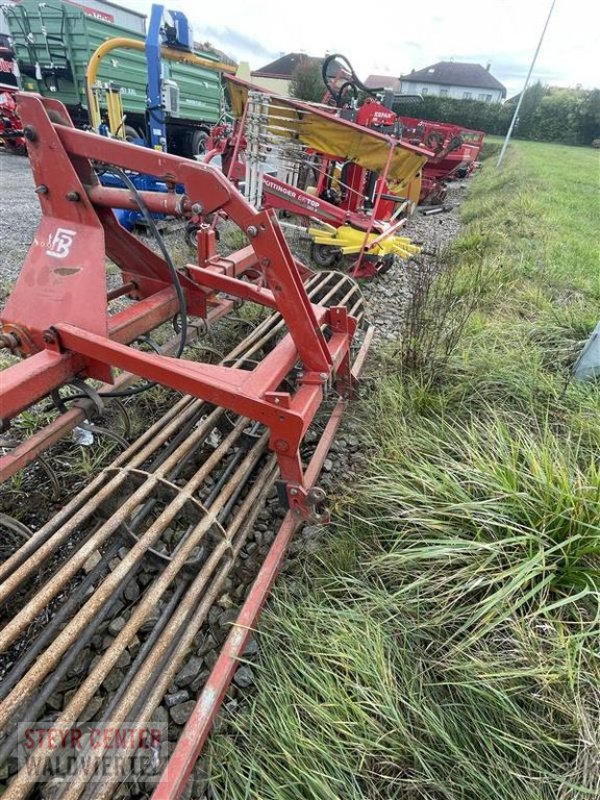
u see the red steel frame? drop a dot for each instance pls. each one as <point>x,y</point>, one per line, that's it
<point>57,310</point>
<point>281,196</point>
<point>446,162</point>
<point>453,147</point>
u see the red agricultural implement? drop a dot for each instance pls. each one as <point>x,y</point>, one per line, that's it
<point>56,315</point>
<point>450,163</point>
<point>201,474</point>
<point>453,149</point>
<point>352,186</point>
<point>11,129</point>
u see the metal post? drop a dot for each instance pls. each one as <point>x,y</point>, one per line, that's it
<point>383,178</point>
<point>516,114</point>
<point>157,129</point>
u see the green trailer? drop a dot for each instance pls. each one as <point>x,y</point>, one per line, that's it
<point>53,43</point>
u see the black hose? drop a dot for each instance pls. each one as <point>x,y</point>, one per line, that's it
<point>354,83</point>
<point>174,277</point>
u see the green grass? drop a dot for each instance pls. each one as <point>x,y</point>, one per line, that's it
<point>444,642</point>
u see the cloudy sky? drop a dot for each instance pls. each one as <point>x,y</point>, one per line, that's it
<point>401,35</point>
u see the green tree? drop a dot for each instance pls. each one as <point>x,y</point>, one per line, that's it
<point>548,114</point>
<point>527,113</point>
<point>307,82</point>
<point>590,118</point>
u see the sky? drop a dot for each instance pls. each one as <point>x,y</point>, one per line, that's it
<point>391,37</point>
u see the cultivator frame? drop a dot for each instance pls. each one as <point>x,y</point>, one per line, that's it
<point>196,466</point>
<point>57,318</point>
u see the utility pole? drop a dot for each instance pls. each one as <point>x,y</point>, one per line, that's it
<point>516,114</point>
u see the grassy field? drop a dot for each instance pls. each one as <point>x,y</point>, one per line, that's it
<point>444,642</point>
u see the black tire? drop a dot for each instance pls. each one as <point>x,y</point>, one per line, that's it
<point>435,141</point>
<point>190,235</point>
<point>192,229</point>
<point>131,133</point>
<point>386,263</point>
<point>194,143</point>
<point>324,255</point>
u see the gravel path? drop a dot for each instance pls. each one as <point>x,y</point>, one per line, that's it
<point>388,294</point>
<point>19,213</point>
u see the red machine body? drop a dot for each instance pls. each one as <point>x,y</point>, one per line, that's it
<point>455,149</point>
<point>342,193</point>
<point>56,316</point>
<point>325,204</point>
<point>11,128</point>
<point>457,162</point>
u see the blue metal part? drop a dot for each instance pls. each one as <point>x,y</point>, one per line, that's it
<point>178,35</point>
<point>157,129</point>
<point>184,37</point>
<point>128,218</point>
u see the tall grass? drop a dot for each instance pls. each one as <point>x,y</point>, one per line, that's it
<point>444,644</point>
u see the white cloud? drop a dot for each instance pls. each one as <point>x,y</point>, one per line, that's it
<point>393,37</point>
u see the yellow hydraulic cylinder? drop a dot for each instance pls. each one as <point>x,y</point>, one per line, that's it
<point>116,117</point>
<point>93,66</point>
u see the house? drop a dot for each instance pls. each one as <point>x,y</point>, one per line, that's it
<point>277,74</point>
<point>455,79</point>
<point>383,82</point>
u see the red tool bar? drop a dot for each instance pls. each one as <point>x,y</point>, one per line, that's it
<point>27,451</point>
<point>33,378</point>
<point>28,381</point>
<point>174,205</point>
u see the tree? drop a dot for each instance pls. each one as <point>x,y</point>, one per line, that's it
<point>306,82</point>
<point>548,114</point>
<point>527,113</point>
<point>590,119</point>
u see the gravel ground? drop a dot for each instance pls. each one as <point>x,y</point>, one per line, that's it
<point>388,294</point>
<point>19,213</point>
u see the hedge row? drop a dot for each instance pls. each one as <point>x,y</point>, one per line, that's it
<point>570,116</point>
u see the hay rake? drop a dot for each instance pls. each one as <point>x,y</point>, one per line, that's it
<point>352,186</point>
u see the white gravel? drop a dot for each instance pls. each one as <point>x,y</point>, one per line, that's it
<point>19,213</point>
<point>388,295</point>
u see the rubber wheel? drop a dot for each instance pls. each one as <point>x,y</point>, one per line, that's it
<point>192,229</point>
<point>324,255</point>
<point>190,235</point>
<point>131,133</point>
<point>194,143</point>
<point>386,264</point>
